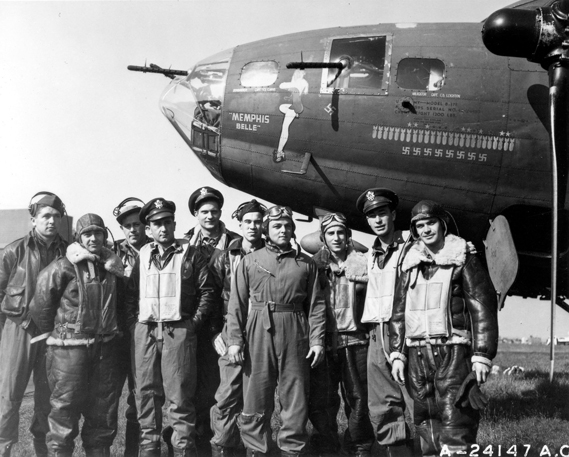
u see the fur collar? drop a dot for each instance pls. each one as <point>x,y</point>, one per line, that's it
<point>111,262</point>
<point>355,266</point>
<point>453,253</point>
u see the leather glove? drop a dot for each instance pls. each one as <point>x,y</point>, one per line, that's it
<point>470,394</point>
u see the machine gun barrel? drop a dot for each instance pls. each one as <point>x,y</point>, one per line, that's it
<point>303,65</point>
<point>168,72</point>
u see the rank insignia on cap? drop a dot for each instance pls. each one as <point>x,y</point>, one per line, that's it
<point>370,195</point>
<point>158,204</point>
<point>203,191</point>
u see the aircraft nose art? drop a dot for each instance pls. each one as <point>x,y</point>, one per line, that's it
<point>193,105</point>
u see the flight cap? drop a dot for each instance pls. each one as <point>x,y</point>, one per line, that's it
<point>157,208</point>
<point>376,198</point>
<point>90,222</point>
<point>252,206</point>
<point>202,194</point>
<point>46,199</point>
<point>124,209</point>
<point>426,209</point>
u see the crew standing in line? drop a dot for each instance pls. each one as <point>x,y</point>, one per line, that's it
<point>21,263</point>
<point>169,295</point>
<point>445,328</point>
<point>229,395</point>
<point>127,214</point>
<point>343,277</point>
<point>386,399</point>
<point>276,322</point>
<point>76,305</point>
<point>210,237</point>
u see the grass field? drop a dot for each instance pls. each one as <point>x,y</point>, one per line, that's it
<point>525,410</point>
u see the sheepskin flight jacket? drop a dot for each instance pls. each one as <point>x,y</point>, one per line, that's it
<point>473,303</point>
<point>344,291</point>
<point>70,304</point>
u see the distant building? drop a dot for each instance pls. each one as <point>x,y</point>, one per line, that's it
<point>531,340</point>
<point>15,223</point>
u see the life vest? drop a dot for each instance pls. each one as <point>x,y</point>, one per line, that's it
<point>427,304</point>
<point>380,288</point>
<point>160,290</point>
<point>342,296</point>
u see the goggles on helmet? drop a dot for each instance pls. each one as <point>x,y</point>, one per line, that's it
<point>277,212</point>
<point>330,218</point>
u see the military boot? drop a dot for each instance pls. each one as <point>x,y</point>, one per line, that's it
<point>187,452</point>
<point>252,453</point>
<point>362,454</point>
<point>221,451</point>
<point>401,449</point>
<point>131,439</point>
<point>167,437</point>
<point>148,452</point>
<point>40,447</point>
<point>98,452</point>
<point>290,454</point>
<point>60,452</point>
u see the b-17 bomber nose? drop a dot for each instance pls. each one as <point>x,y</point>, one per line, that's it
<point>193,105</point>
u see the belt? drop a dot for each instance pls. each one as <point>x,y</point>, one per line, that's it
<point>68,331</point>
<point>463,338</point>
<point>269,307</point>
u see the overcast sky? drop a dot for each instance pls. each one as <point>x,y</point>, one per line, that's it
<point>74,121</point>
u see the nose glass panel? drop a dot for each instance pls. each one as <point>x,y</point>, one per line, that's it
<point>193,105</point>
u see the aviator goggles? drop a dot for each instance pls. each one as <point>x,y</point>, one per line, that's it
<point>332,219</point>
<point>277,212</point>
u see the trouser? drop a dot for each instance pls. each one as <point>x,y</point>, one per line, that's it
<point>387,400</point>
<point>229,397</point>
<point>435,375</point>
<point>84,382</point>
<point>348,369</point>
<point>165,361</point>
<point>126,372</point>
<point>276,357</point>
<point>18,358</point>
<point>207,382</point>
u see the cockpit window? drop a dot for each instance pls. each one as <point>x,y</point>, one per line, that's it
<point>259,74</point>
<point>421,74</point>
<point>368,70</point>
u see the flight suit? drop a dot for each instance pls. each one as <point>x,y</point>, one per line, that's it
<point>345,363</point>
<point>444,319</point>
<point>276,312</point>
<point>21,263</point>
<point>76,302</point>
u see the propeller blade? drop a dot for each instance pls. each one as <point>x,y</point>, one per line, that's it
<point>558,104</point>
<point>542,36</point>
